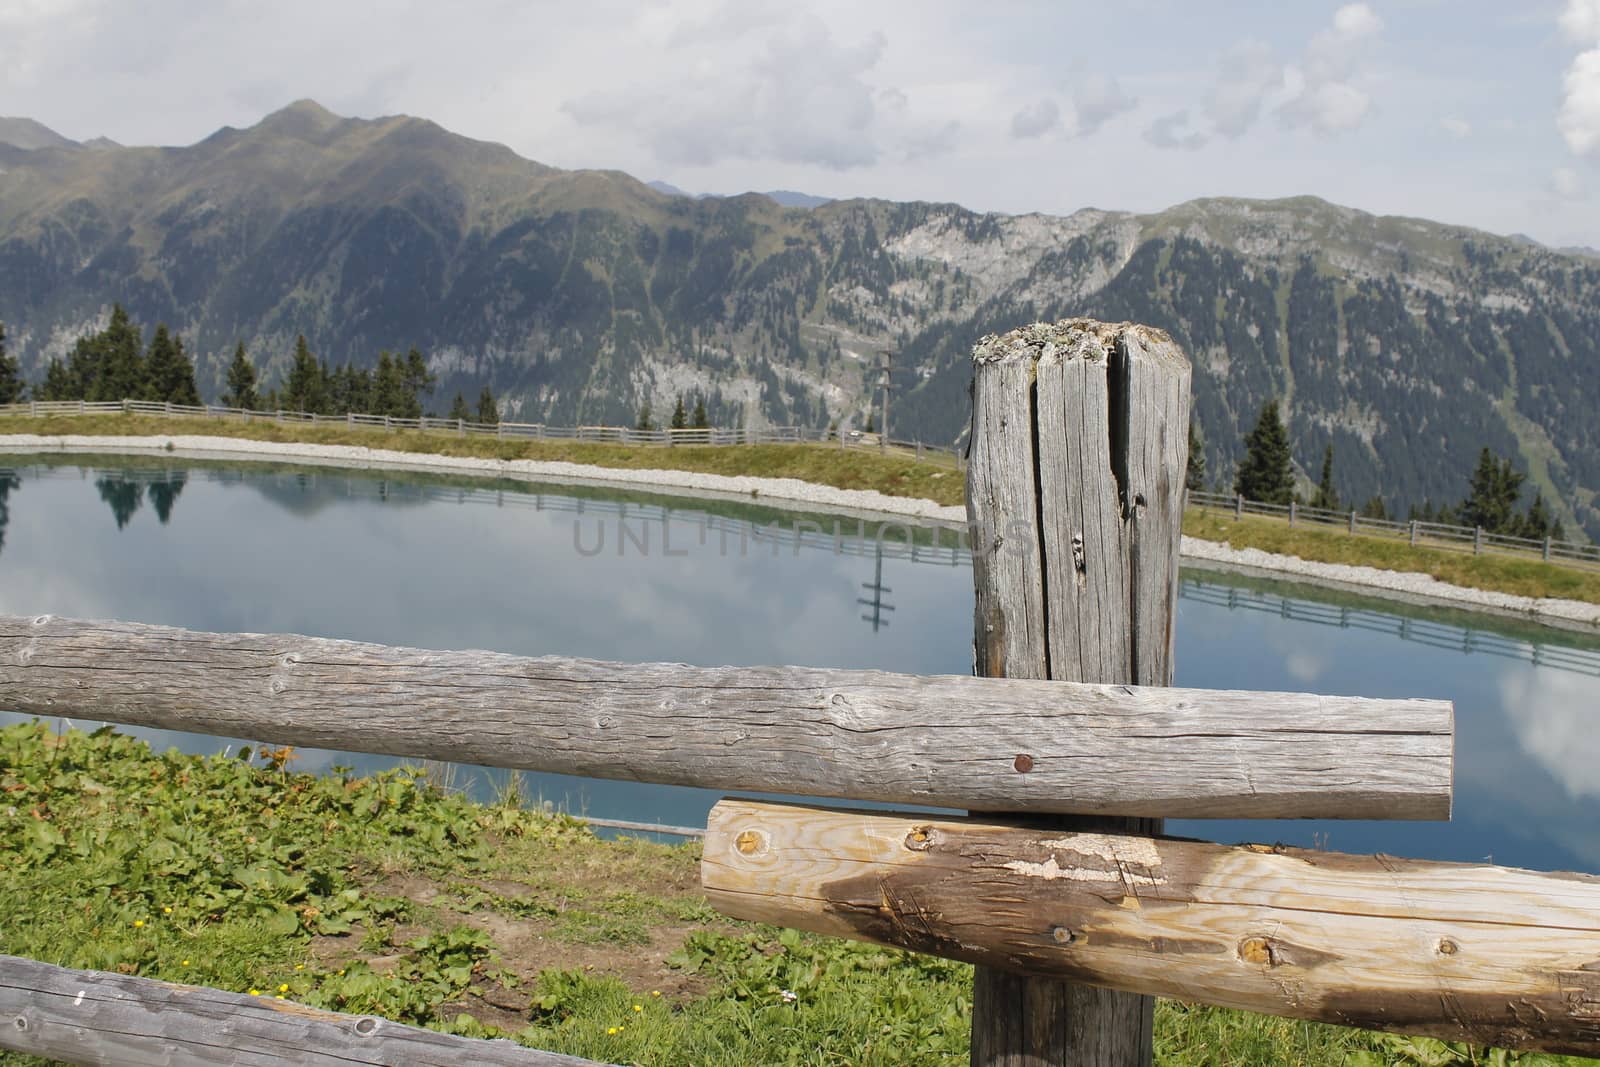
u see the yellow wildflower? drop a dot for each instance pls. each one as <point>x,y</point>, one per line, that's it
<point>137,923</point>
<point>611,1030</point>
<point>284,988</point>
<point>655,992</point>
<point>167,910</point>
<point>255,992</point>
<point>185,963</point>
<point>638,1007</point>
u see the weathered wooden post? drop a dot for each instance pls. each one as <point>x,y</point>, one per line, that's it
<point>1075,499</point>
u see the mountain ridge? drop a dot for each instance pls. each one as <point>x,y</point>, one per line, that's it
<point>1406,344</point>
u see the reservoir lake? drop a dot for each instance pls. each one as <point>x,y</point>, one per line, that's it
<point>435,562</point>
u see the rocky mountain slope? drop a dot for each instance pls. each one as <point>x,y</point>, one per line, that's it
<point>1407,345</point>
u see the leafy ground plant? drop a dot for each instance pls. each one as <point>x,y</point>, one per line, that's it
<point>388,895</point>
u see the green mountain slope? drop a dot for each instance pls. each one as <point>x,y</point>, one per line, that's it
<point>1406,344</point>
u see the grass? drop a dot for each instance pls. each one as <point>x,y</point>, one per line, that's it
<point>1490,571</point>
<point>388,895</point>
<point>936,478</point>
<point>896,473</point>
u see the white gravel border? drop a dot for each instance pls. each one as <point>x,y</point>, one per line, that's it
<point>793,494</point>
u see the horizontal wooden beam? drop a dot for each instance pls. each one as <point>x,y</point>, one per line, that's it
<point>1477,953</point>
<point>946,741</point>
<point>92,1017</point>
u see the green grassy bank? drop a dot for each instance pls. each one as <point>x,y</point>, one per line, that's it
<point>936,478</point>
<point>392,896</point>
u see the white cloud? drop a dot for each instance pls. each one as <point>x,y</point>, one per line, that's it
<point>769,84</point>
<point>1579,118</point>
<point>1565,184</point>
<point>1356,21</point>
<point>1096,101</point>
<point>1247,75</point>
<point>1330,98</point>
<point>1456,127</point>
<point>1581,21</point>
<point>1325,90</point>
<point>1036,119</point>
<point>1174,131</point>
<point>1552,714</point>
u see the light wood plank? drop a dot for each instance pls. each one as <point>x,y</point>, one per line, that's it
<point>1462,952</point>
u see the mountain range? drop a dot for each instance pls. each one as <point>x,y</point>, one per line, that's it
<point>1406,345</point>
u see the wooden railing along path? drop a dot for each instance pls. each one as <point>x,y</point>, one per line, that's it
<point>1064,892</point>
<point>1430,534</point>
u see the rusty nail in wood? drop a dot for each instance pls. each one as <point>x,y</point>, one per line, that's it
<point>1023,763</point>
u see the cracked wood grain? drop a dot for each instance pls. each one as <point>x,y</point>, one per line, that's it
<point>1079,445</point>
<point>1462,952</point>
<point>865,735</point>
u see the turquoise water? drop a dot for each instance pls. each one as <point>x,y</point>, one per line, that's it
<point>543,569</point>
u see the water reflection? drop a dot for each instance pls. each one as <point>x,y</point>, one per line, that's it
<point>436,563</point>
<point>124,492</point>
<point>1540,647</point>
<point>8,481</point>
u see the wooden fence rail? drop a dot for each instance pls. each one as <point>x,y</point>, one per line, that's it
<point>709,435</point>
<point>1437,535</point>
<point>947,741</point>
<point>93,1017</point>
<point>1464,952</point>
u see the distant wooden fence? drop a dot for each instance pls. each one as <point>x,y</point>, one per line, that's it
<point>1473,539</point>
<point>625,435</point>
<point>1071,903</point>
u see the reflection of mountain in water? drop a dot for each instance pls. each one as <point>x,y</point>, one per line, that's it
<point>8,482</point>
<point>125,492</point>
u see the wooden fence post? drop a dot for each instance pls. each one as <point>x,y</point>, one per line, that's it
<point>1238,506</point>
<point>1075,501</point>
<point>1477,540</point>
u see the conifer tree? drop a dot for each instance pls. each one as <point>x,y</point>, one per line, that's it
<point>388,387</point>
<point>699,420</point>
<point>241,382</point>
<point>1492,499</point>
<point>1375,508</point>
<point>119,361</point>
<point>644,422</point>
<point>1267,473</point>
<point>1326,496</point>
<point>680,418</point>
<point>488,410</point>
<point>458,408</point>
<point>1539,523</point>
<point>1194,476</point>
<point>168,374</point>
<point>11,385</point>
<point>58,383</point>
<point>416,380</point>
<point>304,389</point>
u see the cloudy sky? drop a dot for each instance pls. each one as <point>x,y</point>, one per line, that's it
<point>1483,112</point>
